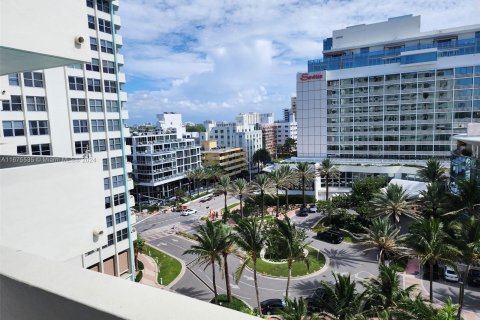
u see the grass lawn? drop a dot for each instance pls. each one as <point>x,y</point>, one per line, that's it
<point>233,205</point>
<point>298,268</point>
<point>236,304</point>
<point>169,267</point>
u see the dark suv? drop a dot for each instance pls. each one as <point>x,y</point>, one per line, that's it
<point>332,236</point>
<point>316,300</point>
<point>272,306</point>
<point>474,277</point>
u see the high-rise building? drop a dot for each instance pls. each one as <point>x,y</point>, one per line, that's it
<point>285,130</point>
<point>78,111</point>
<point>251,118</point>
<point>269,138</point>
<point>387,91</point>
<point>293,105</point>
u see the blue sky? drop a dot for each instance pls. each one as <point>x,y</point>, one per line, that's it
<point>211,59</point>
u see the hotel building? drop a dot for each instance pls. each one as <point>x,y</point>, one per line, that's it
<point>78,111</point>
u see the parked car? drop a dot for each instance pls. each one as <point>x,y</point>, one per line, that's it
<point>188,212</point>
<point>450,275</point>
<point>316,299</point>
<point>272,306</point>
<point>312,209</point>
<point>473,277</point>
<point>207,198</point>
<point>332,236</point>
<point>303,212</point>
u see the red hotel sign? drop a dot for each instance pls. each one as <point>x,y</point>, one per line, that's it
<point>306,76</point>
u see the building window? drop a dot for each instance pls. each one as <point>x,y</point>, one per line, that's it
<point>36,104</point>
<point>115,144</point>
<point>94,65</point>
<point>81,147</point>
<point>13,79</point>
<point>93,44</point>
<point>108,219</point>
<point>76,83</point>
<point>104,26</point>
<point>95,105</point>
<point>108,204</point>
<point>41,149</point>
<point>106,46</point>
<point>94,85</point>
<point>117,181</point>
<point>110,86</point>
<point>103,5</point>
<point>106,184</point>
<point>112,106</point>
<point>121,234</point>
<point>99,145</point>
<point>80,126</point>
<point>113,125</point>
<point>119,199</point>
<point>15,104</point>
<point>22,150</point>
<point>91,22</point>
<point>116,162</point>
<point>13,128</point>
<point>33,79</point>
<point>120,217</point>
<point>108,66</point>
<point>98,125</point>
<point>90,3</point>
<point>78,105</point>
<point>38,128</point>
<point>105,164</point>
<point>110,240</point>
<point>77,66</point>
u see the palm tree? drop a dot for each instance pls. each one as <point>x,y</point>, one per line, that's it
<point>242,189</point>
<point>328,170</point>
<point>250,239</point>
<point>433,199</point>
<point>227,247</point>
<point>305,173</point>
<point>429,241</point>
<point>343,300</point>
<point>384,237</point>
<point>469,194</point>
<point>138,248</point>
<point>191,177</point>
<point>433,172</point>
<point>223,187</point>
<point>467,241</point>
<point>261,156</point>
<point>292,239</point>
<point>265,186</point>
<point>295,309</point>
<point>385,292</point>
<point>290,179</point>
<point>392,202</point>
<point>416,309</point>
<point>213,173</point>
<point>278,180</point>
<point>208,249</point>
<point>196,176</point>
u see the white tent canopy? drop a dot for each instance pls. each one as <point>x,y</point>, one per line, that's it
<point>413,188</point>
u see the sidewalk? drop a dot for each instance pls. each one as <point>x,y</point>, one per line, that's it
<point>149,272</point>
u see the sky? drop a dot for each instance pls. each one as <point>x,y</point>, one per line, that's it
<point>212,59</point>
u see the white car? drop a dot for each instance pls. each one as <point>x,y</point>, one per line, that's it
<point>450,274</point>
<point>188,212</point>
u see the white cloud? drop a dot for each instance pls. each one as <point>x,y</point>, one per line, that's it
<point>212,59</point>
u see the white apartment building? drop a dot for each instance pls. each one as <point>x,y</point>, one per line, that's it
<point>160,160</point>
<point>232,135</point>
<point>168,120</point>
<point>78,111</point>
<point>286,130</point>
<point>389,92</point>
<point>249,118</point>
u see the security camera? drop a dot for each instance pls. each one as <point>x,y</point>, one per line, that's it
<point>79,40</point>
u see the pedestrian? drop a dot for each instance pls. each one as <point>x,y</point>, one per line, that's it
<point>216,215</point>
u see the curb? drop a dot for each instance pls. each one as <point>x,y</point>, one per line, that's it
<point>182,271</point>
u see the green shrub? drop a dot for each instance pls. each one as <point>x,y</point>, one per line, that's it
<point>140,265</point>
<point>139,276</point>
<point>185,235</point>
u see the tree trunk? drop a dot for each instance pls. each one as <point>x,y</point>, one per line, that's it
<point>227,278</point>
<point>326,187</point>
<point>303,192</point>
<point>214,283</point>
<point>258,167</point>
<point>381,257</point>
<point>431,280</point>
<point>278,205</point>
<point>289,276</point>
<point>263,204</point>
<point>241,206</point>
<point>225,202</point>
<point>286,201</point>
<point>190,188</point>
<point>461,293</point>
<point>254,258</point>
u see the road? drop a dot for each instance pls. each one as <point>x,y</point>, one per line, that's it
<point>343,258</point>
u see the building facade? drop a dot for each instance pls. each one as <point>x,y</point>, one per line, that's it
<point>465,158</point>
<point>252,118</point>
<point>388,91</point>
<point>233,161</point>
<point>160,160</point>
<point>286,130</point>
<point>78,111</point>
<point>269,138</point>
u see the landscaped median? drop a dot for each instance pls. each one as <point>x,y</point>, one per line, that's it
<point>168,266</point>
<point>236,304</point>
<point>279,269</point>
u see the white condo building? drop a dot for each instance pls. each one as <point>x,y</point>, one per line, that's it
<point>78,111</point>
<point>249,118</point>
<point>285,130</point>
<point>389,92</point>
